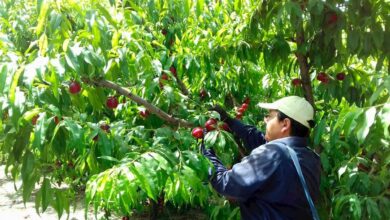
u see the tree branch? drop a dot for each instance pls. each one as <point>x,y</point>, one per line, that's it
<point>151,108</point>
<point>183,88</point>
<point>304,66</point>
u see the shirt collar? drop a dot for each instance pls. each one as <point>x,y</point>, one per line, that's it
<point>292,141</point>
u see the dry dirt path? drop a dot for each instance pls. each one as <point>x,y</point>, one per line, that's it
<point>12,206</point>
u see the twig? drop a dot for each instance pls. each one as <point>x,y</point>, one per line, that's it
<point>150,107</point>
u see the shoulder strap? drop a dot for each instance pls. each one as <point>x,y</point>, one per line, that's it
<point>294,158</point>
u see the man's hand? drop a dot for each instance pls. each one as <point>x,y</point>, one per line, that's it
<point>224,115</point>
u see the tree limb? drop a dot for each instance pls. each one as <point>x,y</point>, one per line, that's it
<point>150,107</point>
<point>183,88</point>
<point>304,66</point>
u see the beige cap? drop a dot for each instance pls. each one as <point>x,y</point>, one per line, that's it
<point>294,107</point>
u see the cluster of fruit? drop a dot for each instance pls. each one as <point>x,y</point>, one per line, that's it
<point>322,77</point>
<point>240,111</point>
<point>75,88</point>
<point>210,125</point>
<point>213,124</point>
<point>164,77</point>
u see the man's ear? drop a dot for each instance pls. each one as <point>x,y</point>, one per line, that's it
<point>286,126</point>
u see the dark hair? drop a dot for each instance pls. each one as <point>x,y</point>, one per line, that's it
<point>297,129</point>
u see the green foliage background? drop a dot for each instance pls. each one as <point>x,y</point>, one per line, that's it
<point>230,49</point>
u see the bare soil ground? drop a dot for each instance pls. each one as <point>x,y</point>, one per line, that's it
<point>12,206</point>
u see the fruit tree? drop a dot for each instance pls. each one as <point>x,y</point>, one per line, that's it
<point>110,98</point>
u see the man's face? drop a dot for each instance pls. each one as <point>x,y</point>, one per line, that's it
<point>275,129</point>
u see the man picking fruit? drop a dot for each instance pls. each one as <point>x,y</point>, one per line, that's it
<point>267,183</point>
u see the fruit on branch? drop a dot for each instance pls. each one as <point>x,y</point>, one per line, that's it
<point>197,132</point>
<point>112,102</point>
<point>144,113</point>
<point>211,124</point>
<point>58,163</point>
<point>74,87</point>
<point>164,32</point>
<point>70,164</point>
<point>105,127</point>
<point>247,100</point>
<point>164,76</point>
<point>244,106</point>
<point>57,120</point>
<point>173,71</point>
<point>34,119</point>
<point>323,77</point>
<point>331,18</point>
<point>239,116</point>
<point>296,82</point>
<point>340,76</point>
<point>241,110</point>
<point>225,126</point>
<point>202,94</point>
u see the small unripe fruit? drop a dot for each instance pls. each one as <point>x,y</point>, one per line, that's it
<point>197,132</point>
<point>211,124</point>
<point>112,102</point>
<point>340,76</point>
<point>74,87</point>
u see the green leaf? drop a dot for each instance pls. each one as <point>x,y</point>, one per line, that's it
<point>28,176</point>
<point>71,57</point>
<point>46,194</point>
<point>353,41</point>
<point>38,201</point>
<point>157,66</point>
<point>350,123</point>
<point>40,132</point>
<point>199,7</point>
<point>211,138</point>
<point>14,84</point>
<point>109,158</point>
<point>107,15</point>
<point>59,202</point>
<point>44,8</point>
<point>325,161</point>
<point>379,90</point>
<point>319,131</point>
<point>27,166</point>
<point>365,123</point>
<point>372,209</point>
<point>21,142</point>
<point>3,77</point>
<point>221,141</point>
<point>141,177</point>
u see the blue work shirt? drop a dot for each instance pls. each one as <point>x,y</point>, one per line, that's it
<point>266,183</point>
